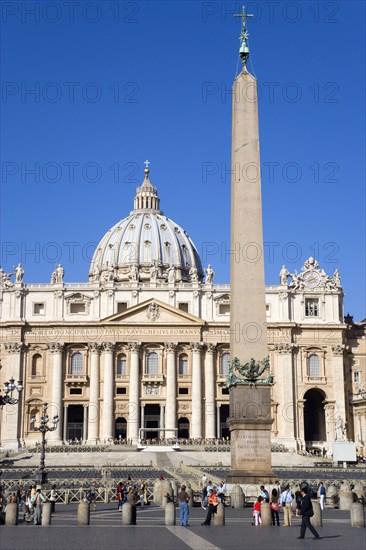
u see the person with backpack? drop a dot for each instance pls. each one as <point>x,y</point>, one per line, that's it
<point>306,513</point>
<point>38,500</point>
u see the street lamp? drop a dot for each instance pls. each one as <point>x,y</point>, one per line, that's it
<point>43,428</point>
<point>8,389</point>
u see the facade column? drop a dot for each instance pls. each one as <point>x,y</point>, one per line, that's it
<point>56,350</point>
<point>12,414</point>
<point>108,394</point>
<point>196,428</point>
<point>162,419</point>
<point>171,390</point>
<point>133,416</point>
<point>142,422</point>
<point>210,392</point>
<point>94,410</point>
<point>339,385</point>
<point>286,409</point>
<point>85,423</point>
<point>66,406</point>
<point>329,407</point>
<point>218,420</point>
<point>301,424</point>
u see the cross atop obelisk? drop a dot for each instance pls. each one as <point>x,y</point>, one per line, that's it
<point>244,48</point>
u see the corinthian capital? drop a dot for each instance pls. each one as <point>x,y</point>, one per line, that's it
<point>170,346</point>
<point>15,347</point>
<point>196,346</point>
<point>108,347</point>
<point>55,347</point>
<point>210,348</point>
<point>94,347</point>
<point>134,346</point>
<point>338,349</point>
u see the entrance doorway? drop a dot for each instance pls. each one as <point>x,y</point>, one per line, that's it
<point>75,423</point>
<point>183,428</point>
<point>314,416</point>
<point>152,420</point>
<point>120,431</point>
<point>224,429</point>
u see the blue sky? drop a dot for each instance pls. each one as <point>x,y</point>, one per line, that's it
<point>115,83</point>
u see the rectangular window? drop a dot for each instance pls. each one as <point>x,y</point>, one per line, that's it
<point>77,308</point>
<point>268,310</point>
<point>225,391</point>
<point>121,391</point>
<point>356,376</point>
<point>76,391</point>
<point>183,391</point>
<point>39,308</point>
<point>183,306</point>
<point>311,307</point>
<point>121,307</point>
<point>224,309</point>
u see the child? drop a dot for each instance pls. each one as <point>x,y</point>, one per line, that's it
<point>257,511</point>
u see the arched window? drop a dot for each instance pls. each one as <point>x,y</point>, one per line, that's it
<point>183,364</point>
<point>77,363</point>
<point>152,363</point>
<point>36,365</point>
<point>225,364</point>
<point>313,365</point>
<point>121,365</point>
<point>33,413</point>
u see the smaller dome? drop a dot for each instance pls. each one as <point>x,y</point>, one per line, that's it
<point>146,246</point>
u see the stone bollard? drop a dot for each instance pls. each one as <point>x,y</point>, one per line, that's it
<point>237,497</point>
<point>345,497</point>
<point>170,513</point>
<point>317,519</point>
<point>11,514</point>
<point>127,514</point>
<point>331,500</point>
<point>266,514</point>
<point>189,492</point>
<point>157,492</point>
<point>219,516</point>
<point>84,513</point>
<point>166,489</point>
<point>357,515</point>
<point>46,513</point>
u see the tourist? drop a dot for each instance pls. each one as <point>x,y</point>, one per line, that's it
<point>93,495</point>
<point>275,507</point>
<point>298,499</point>
<point>52,499</point>
<point>264,493</point>
<point>307,512</point>
<point>142,493</point>
<point>286,503</point>
<point>221,492</point>
<point>183,499</point>
<point>212,507</point>
<point>37,502</point>
<point>119,491</point>
<point>257,519</point>
<point>322,494</point>
<point>204,497</point>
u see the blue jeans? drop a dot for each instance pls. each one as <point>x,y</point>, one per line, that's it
<point>183,513</point>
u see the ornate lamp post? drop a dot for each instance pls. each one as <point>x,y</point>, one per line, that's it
<point>43,428</point>
<point>8,389</point>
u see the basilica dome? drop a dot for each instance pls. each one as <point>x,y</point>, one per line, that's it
<point>146,246</point>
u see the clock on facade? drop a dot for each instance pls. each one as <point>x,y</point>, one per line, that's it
<point>311,279</point>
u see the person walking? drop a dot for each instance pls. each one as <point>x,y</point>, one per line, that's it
<point>52,498</point>
<point>39,499</point>
<point>286,503</point>
<point>275,507</point>
<point>322,494</point>
<point>306,513</point>
<point>183,499</point>
<point>257,518</point>
<point>119,492</point>
<point>212,506</point>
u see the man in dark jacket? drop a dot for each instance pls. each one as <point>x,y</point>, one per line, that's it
<point>306,513</point>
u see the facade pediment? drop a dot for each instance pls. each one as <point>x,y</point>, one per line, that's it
<point>153,312</point>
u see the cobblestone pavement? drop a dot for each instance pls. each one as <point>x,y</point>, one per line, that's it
<point>106,531</point>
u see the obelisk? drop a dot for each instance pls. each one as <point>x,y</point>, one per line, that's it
<point>250,403</point>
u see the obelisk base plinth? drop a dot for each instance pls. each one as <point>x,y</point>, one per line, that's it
<point>250,429</point>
